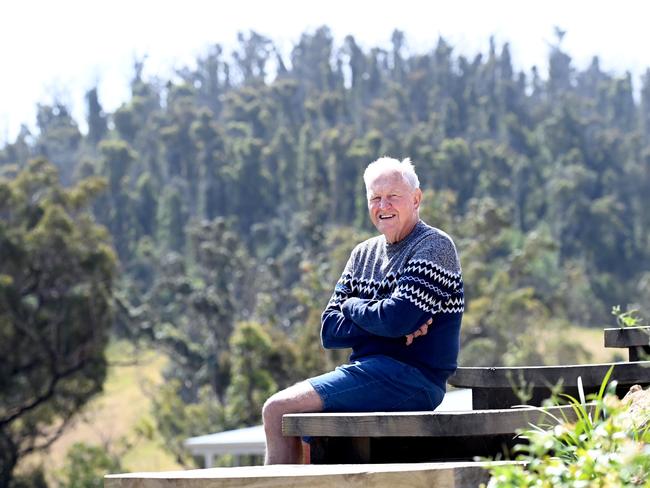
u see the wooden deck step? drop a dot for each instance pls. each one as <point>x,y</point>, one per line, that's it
<point>421,424</point>
<point>397,437</point>
<point>502,387</point>
<point>635,339</point>
<point>409,475</point>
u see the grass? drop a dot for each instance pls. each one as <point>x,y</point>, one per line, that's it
<point>591,341</point>
<point>113,417</point>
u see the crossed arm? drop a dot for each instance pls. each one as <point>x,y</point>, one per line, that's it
<point>359,318</point>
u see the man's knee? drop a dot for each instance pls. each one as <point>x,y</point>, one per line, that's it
<point>300,397</point>
<point>273,407</point>
<point>278,404</point>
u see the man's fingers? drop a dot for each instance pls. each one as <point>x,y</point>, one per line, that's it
<point>425,327</point>
<point>421,331</point>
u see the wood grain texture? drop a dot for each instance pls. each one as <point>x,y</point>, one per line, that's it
<point>420,424</point>
<point>440,475</point>
<point>627,337</point>
<point>627,373</point>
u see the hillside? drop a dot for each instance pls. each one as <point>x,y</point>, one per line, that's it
<point>114,416</point>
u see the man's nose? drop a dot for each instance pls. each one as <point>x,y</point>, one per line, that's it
<point>384,203</point>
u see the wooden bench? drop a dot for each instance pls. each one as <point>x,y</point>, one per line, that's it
<point>489,430</point>
<point>425,475</point>
<point>381,437</point>
<point>635,339</point>
<point>502,387</point>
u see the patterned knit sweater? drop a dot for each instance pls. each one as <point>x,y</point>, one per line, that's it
<point>389,290</point>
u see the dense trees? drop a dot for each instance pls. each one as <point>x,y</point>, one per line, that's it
<point>56,275</point>
<point>234,195</point>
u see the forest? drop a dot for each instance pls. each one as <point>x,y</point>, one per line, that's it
<point>211,214</point>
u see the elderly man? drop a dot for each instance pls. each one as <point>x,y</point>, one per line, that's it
<point>398,305</point>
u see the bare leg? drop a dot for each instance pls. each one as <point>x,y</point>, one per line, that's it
<point>298,398</point>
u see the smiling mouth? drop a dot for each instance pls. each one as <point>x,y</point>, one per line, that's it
<point>386,217</point>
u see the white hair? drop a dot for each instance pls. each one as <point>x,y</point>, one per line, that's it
<point>386,165</point>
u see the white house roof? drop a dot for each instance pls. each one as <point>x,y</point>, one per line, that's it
<point>249,440</point>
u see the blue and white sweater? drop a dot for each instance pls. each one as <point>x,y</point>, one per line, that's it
<point>389,290</point>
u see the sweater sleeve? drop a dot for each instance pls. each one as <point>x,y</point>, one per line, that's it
<point>429,284</point>
<point>337,331</point>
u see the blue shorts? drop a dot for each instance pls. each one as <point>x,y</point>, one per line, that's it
<point>377,384</point>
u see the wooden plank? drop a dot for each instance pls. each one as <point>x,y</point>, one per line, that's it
<point>626,373</point>
<point>409,475</point>
<point>638,353</point>
<point>341,450</point>
<point>420,424</point>
<point>627,337</point>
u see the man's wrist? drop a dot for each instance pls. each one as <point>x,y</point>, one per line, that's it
<point>347,307</point>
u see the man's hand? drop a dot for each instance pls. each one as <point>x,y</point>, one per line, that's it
<point>422,331</point>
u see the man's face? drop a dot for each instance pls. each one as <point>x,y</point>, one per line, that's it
<point>393,205</point>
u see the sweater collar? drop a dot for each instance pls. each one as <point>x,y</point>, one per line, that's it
<point>395,247</point>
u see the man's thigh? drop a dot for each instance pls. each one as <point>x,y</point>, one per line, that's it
<point>377,383</point>
<point>300,397</point>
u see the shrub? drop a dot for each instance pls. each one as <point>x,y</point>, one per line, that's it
<point>86,466</point>
<point>608,446</point>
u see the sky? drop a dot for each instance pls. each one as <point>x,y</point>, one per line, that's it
<point>57,50</point>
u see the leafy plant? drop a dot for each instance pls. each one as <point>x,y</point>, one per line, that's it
<point>86,466</point>
<point>603,447</point>
<point>630,318</point>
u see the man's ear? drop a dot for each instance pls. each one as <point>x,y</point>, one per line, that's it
<point>417,198</point>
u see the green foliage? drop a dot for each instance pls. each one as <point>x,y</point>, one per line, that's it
<point>97,124</point>
<point>604,447</point>
<point>86,466</point>
<point>507,282</point>
<point>171,219</point>
<point>630,318</point>
<point>251,381</point>
<point>177,419</point>
<point>34,478</point>
<point>257,356</point>
<point>56,279</point>
<point>59,139</point>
